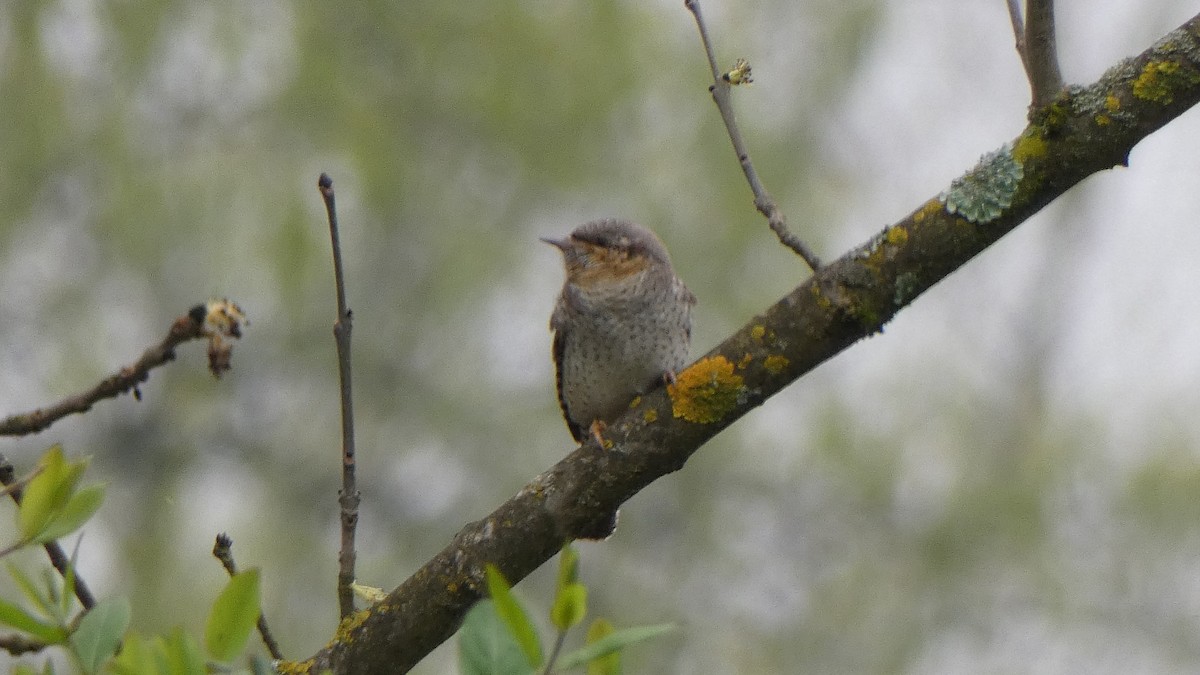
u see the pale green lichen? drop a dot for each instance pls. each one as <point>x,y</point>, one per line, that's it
<point>982,194</point>
<point>907,287</point>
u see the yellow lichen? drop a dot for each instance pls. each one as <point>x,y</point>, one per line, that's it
<point>774,364</point>
<point>1029,146</point>
<point>706,392</point>
<point>897,236</point>
<point>1111,103</point>
<point>758,332</point>
<point>820,298</point>
<point>1103,120</point>
<point>293,667</point>
<point>651,415</point>
<point>637,400</point>
<point>348,624</point>
<point>745,361</point>
<point>1159,79</point>
<point>931,208</point>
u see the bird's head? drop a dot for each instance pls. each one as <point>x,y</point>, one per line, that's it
<point>608,251</point>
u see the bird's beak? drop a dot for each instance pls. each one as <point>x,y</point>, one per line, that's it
<point>561,244</point>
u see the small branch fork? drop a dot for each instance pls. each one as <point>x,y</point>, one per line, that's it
<point>348,498</point>
<point>223,551</point>
<point>720,90</point>
<point>1037,46</point>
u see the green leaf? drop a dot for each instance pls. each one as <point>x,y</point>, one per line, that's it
<point>47,492</point>
<point>233,616</point>
<point>137,657</point>
<point>570,606</point>
<point>52,582</point>
<point>16,617</point>
<point>183,655</point>
<point>609,664</point>
<point>514,616</point>
<point>99,633</point>
<point>612,643</point>
<point>68,591</point>
<point>77,511</point>
<point>30,590</point>
<point>568,567</point>
<point>487,647</point>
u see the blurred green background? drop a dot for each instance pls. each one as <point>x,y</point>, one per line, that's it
<point>1006,480</point>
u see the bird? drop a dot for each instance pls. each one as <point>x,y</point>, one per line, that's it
<point>622,324</point>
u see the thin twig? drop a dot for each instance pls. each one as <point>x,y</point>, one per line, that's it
<point>348,498</point>
<point>1018,26</point>
<point>558,645</point>
<point>58,557</point>
<point>223,551</point>
<point>720,90</point>
<point>1037,46</point>
<point>1041,44</point>
<point>17,644</point>
<point>187,327</point>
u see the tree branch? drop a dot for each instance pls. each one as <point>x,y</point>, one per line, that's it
<point>17,644</point>
<point>1037,46</point>
<point>215,321</point>
<point>348,497</point>
<point>720,89</point>
<point>1087,129</point>
<point>223,552</point>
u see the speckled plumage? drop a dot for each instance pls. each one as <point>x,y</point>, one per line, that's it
<point>622,322</point>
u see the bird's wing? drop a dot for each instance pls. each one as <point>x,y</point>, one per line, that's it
<point>558,326</point>
<point>577,431</point>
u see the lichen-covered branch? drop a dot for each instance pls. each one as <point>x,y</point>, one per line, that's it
<point>1083,131</point>
<point>216,321</point>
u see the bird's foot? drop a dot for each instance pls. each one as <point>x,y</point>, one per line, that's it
<point>597,431</point>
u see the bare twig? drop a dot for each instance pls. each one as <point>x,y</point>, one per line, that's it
<point>1037,45</point>
<point>223,551</point>
<point>349,497</point>
<point>215,321</point>
<point>58,557</point>
<point>19,644</point>
<point>558,645</point>
<point>1018,25</point>
<point>187,327</point>
<point>720,90</point>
